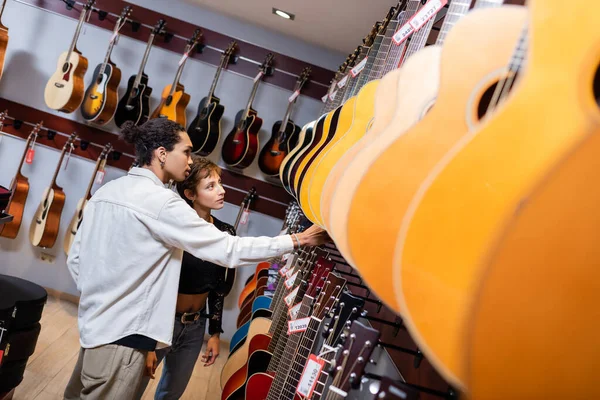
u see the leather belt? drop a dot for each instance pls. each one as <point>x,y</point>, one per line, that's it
<point>191,317</point>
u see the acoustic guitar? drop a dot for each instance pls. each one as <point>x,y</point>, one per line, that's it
<point>305,139</point>
<point>45,225</point>
<point>64,90</point>
<point>3,39</point>
<point>174,100</point>
<point>284,134</point>
<point>78,215</point>
<point>19,187</point>
<point>241,145</point>
<point>101,97</point>
<point>205,128</point>
<point>135,104</point>
<point>506,171</point>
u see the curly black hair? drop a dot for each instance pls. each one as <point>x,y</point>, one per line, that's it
<point>155,133</point>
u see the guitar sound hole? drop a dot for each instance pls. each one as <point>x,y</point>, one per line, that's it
<point>506,84</point>
<point>65,67</point>
<point>596,86</point>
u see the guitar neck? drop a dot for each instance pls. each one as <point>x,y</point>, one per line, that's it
<point>111,46</point>
<point>60,160</point>
<point>77,32</point>
<point>396,53</point>
<point>242,205</point>
<point>364,74</point>
<point>176,80</point>
<point>250,100</point>
<point>384,49</point>
<point>419,39</point>
<point>213,86</point>
<point>88,191</point>
<point>457,10</point>
<point>140,73</point>
<point>27,145</point>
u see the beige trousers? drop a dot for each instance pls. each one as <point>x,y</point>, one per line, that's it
<point>106,372</point>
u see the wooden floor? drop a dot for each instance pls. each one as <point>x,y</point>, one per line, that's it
<point>50,367</point>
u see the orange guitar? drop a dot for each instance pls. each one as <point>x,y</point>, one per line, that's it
<point>174,99</point>
<point>19,187</point>
<point>3,39</point>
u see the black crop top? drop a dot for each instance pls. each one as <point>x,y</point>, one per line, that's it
<point>199,276</point>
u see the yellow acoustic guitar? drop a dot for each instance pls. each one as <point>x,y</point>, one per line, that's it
<point>405,158</point>
<point>478,187</point>
<point>174,99</point>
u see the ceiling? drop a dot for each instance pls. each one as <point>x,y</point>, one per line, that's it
<point>338,25</point>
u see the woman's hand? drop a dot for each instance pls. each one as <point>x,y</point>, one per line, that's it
<point>151,364</point>
<point>313,236</point>
<point>212,350</point>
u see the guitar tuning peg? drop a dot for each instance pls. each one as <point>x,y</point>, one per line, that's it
<point>354,381</point>
<point>372,361</point>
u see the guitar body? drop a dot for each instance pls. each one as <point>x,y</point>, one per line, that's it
<point>235,388</point>
<point>241,145</point>
<point>259,385</point>
<point>251,286</point>
<point>173,107</point>
<point>304,141</point>
<point>409,156</point>
<point>487,177</point>
<point>274,152</point>
<point>246,310</point>
<point>46,221</point>
<point>364,110</point>
<point>401,100</point>
<point>3,46</point>
<point>101,97</point>
<point>74,225</point>
<point>16,207</point>
<point>257,311</point>
<point>237,359</point>
<point>205,129</point>
<point>135,104</point>
<point>64,90</point>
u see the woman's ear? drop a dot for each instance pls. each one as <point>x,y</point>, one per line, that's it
<point>189,194</point>
<point>160,153</point>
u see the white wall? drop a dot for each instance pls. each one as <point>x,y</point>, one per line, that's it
<point>38,37</point>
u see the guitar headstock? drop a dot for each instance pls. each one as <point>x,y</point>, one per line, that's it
<point>230,50</point>
<point>36,130</point>
<point>321,269</point>
<point>159,27</point>
<point>328,296</point>
<point>347,310</point>
<point>105,151</point>
<point>252,195</point>
<point>267,65</point>
<point>368,40</point>
<point>89,4</point>
<point>303,78</point>
<point>359,343</point>
<point>126,12</point>
<point>70,140</point>
<point>193,41</point>
<point>3,116</point>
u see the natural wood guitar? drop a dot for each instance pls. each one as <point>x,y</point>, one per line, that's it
<point>174,99</point>
<point>19,187</point>
<point>3,39</point>
<point>64,90</point>
<point>78,215</point>
<point>101,97</point>
<point>45,225</point>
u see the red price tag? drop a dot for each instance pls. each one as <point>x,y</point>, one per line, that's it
<point>294,96</point>
<point>100,177</point>
<point>245,216</point>
<point>30,156</point>
<point>310,376</point>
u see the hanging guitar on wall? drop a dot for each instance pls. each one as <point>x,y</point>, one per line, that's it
<point>174,99</point>
<point>135,104</point>
<point>46,221</point>
<point>205,129</point>
<point>64,90</point>
<point>241,145</point>
<point>78,216</point>
<point>284,135</point>
<point>3,39</point>
<point>101,97</point>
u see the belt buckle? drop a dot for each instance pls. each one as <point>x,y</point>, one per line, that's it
<point>184,315</point>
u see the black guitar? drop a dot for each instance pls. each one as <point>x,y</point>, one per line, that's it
<point>135,104</point>
<point>205,129</point>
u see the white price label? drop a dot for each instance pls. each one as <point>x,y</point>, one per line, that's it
<point>100,177</point>
<point>310,376</point>
<point>294,96</point>
<point>290,282</point>
<point>324,98</point>
<point>245,217</point>
<point>403,33</point>
<point>289,299</point>
<point>258,76</point>
<point>185,57</point>
<point>359,67</point>
<point>428,11</point>
<point>298,325</point>
<point>332,95</point>
<point>343,82</point>
<point>295,310</point>
<point>289,273</point>
<point>283,270</point>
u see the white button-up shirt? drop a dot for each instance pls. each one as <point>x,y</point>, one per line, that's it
<point>126,257</point>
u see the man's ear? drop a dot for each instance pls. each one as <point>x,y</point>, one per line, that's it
<point>189,194</point>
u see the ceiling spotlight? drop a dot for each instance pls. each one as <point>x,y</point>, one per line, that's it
<point>283,14</point>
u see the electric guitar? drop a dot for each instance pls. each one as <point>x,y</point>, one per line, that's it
<point>174,100</point>
<point>64,90</point>
<point>101,97</point>
<point>3,39</point>
<point>241,145</point>
<point>135,104</point>
<point>46,220</point>
<point>205,128</point>
<point>78,216</point>
<point>19,188</point>
<point>284,135</point>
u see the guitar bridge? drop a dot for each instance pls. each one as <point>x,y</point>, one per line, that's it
<point>275,153</point>
<point>236,141</point>
<point>59,85</point>
<point>93,97</point>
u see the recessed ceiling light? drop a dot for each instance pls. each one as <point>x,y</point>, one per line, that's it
<point>283,14</point>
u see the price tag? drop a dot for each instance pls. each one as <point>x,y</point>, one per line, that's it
<point>289,299</point>
<point>342,82</point>
<point>283,270</point>
<point>258,76</point>
<point>288,273</point>
<point>403,33</point>
<point>100,177</point>
<point>310,376</point>
<point>361,65</point>
<point>324,98</point>
<point>183,58</point>
<point>245,217</point>
<point>428,11</point>
<point>332,95</point>
<point>295,310</point>
<point>294,96</point>
<point>298,325</point>
<point>30,156</point>
<point>290,281</point>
